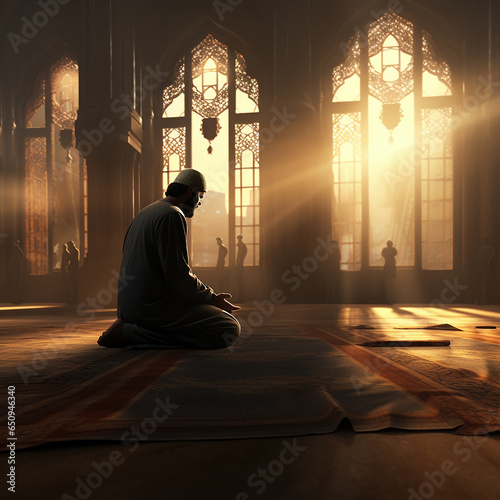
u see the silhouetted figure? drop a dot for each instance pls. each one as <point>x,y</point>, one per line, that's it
<point>389,254</point>
<point>72,270</point>
<point>336,271</point>
<point>484,257</point>
<point>221,262</point>
<point>240,259</point>
<point>64,270</point>
<point>17,270</point>
<point>65,258</point>
<point>161,302</point>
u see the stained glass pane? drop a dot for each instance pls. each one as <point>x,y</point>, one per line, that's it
<point>247,88</point>
<point>247,173</point>
<point>35,107</point>
<point>36,205</point>
<point>346,206</point>
<point>64,90</point>
<point>433,86</point>
<point>388,30</point>
<point>391,58</point>
<point>210,67</point>
<point>436,78</point>
<point>173,95</point>
<point>349,90</point>
<point>174,153</point>
<point>437,216</point>
<point>247,168</point>
<point>345,77</point>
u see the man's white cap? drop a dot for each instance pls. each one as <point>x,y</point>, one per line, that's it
<point>192,178</point>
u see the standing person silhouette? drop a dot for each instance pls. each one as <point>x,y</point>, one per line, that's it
<point>240,259</point>
<point>72,270</point>
<point>389,254</point>
<point>221,263</point>
<point>65,257</point>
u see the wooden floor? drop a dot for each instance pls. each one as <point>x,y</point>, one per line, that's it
<point>343,465</point>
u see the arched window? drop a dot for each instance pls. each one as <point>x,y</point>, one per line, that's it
<point>392,148</point>
<point>55,174</point>
<point>210,122</point>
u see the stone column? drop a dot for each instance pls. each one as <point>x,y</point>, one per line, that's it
<point>11,187</point>
<point>471,145</point>
<point>490,179</point>
<point>291,138</point>
<point>109,135</point>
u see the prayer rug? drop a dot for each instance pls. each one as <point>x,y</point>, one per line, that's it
<point>277,381</point>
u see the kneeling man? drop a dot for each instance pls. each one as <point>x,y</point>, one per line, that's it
<point>164,304</point>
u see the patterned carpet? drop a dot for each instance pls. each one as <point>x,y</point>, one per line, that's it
<point>280,380</point>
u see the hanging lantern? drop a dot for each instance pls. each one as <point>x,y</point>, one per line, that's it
<point>210,128</point>
<point>391,115</point>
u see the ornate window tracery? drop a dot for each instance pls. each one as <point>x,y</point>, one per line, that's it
<point>392,148</point>
<point>55,172</point>
<point>347,187</point>
<point>210,122</point>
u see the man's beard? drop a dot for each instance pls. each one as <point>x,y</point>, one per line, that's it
<point>189,206</point>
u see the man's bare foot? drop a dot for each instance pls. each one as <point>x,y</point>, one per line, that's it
<point>113,336</point>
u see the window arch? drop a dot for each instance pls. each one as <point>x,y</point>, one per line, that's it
<point>55,171</point>
<point>210,122</point>
<point>392,148</point>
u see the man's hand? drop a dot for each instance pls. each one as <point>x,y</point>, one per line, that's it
<point>220,301</point>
